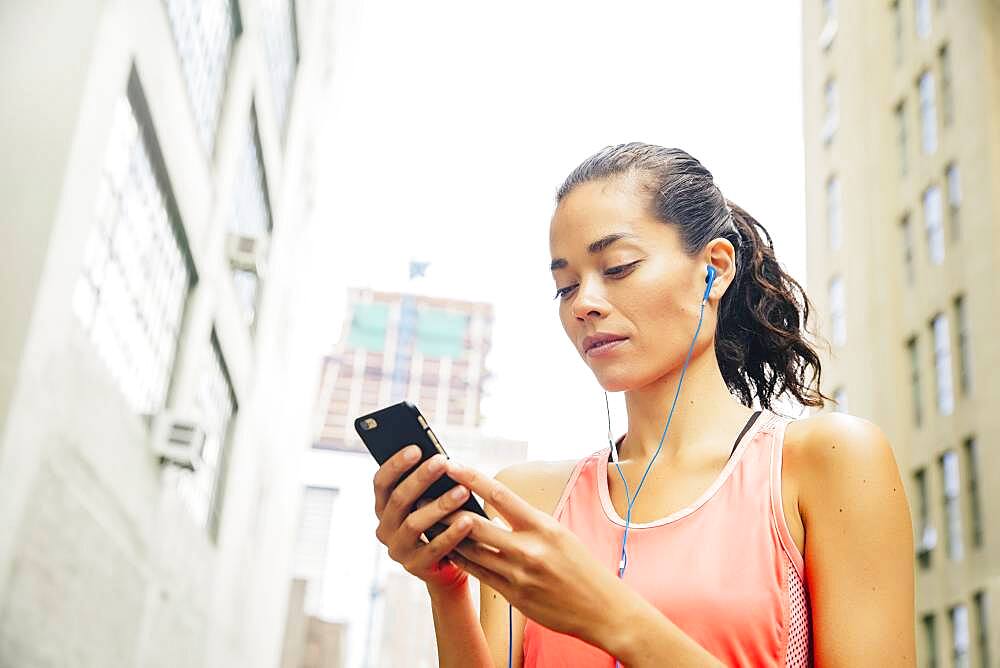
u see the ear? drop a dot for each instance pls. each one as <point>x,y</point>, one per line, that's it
<point>720,254</point>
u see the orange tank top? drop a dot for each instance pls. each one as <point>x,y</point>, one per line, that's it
<point>724,569</point>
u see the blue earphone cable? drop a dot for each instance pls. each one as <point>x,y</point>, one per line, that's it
<point>630,500</point>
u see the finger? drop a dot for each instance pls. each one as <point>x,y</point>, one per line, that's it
<point>484,557</point>
<point>405,494</point>
<point>518,512</point>
<point>484,575</point>
<point>431,512</point>
<point>389,472</point>
<point>431,553</point>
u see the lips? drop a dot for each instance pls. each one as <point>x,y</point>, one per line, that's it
<point>598,339</point>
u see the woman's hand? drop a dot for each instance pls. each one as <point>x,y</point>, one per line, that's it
<point>399,529</point>
<point>538,565</point>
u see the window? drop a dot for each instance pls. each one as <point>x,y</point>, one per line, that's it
<point>981,602</point>
<point>947,97</point>
<point>204,33</point>
<point>959,618</point>
<point>930,640</point>
<point>831,110</point>
<point>137,271</point>
<point>964,346</point>
<point>933,224</point>
<point>923,17</point>
<point>282,51</point>
<point>840,398</point>
<point>250,214</point>
<point>908,248</point>
<point>838,315</point>
<point>915,392</point>
<point>954,199</point>
<point>829,24</point>
<point>942,364</point>
<point>833,221</point>
<point>975,507</point>
<point>926,535</point>
<point>928,113</point>
<point>312,543</point>
<point>897,29</point>
<point>202,489</point>
<point>952,510</point>
<point>901,140</point>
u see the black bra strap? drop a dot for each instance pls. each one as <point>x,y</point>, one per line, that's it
<point>753,418</point>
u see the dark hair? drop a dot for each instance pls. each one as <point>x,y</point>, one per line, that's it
<point>759,340</point>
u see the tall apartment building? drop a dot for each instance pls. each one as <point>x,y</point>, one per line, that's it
<point>902,143</point>
<point>430,351</point>
<point>159,342</point>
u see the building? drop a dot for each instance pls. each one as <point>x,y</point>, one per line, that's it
<point>394,346</point>
<point>429,350</point>
<point>158,359</point>
<point>902,158</point>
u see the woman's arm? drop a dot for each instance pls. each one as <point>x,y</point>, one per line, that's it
<point>859,544</point>
<point>460,640</point>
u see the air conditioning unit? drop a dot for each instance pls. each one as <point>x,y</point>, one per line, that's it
<point>927,540</point>
<point>247,252</point>
<point>178,439</point>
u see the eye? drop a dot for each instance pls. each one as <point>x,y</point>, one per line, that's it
<point>620,271</point>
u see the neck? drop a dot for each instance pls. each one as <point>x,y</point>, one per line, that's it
<point>703,422</point>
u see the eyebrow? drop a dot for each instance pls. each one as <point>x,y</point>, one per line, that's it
<point>595,247</point>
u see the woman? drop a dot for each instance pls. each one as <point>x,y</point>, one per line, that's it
<point>757,540</point>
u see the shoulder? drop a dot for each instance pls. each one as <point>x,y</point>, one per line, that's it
<point>539,483</point>
<point>836,452</point>
<point>832,440</point>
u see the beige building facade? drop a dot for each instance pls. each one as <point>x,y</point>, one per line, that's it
<point>902,163</point>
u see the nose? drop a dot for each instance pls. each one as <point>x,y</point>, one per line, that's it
<point>588,300</point>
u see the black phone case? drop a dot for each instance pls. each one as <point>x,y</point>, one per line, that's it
<point>388,430</point>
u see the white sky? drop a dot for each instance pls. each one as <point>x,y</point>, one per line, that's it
<point>453,123</point>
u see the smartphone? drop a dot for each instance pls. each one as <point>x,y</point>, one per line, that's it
<point>388,430</point>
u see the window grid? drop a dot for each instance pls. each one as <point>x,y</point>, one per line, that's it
<point>909,248</point>
<point>930,640</point>
<point>137,273</point>
<point>951,481</point>
<point>928,113</point>
<point>954,185</point>
<point>204,32</point>
<point>922,18</point>
<point>933,224</point>
<point>251,213</point>
<point>975,509</point>
<point>201,489</point>
<point>901,138</point>
<point>897,28</point>
<point>958,616</point>
<point>840,398</point>
<point>281,46</point>
<point>838,316</point>
<point>947,96</point>
<point>923,524</point>
<point>831,116</point>
<point>833,217</point>
<point>942,364</point>
<point>981,602</point>
<point>915,391</point>
<point>964,346</point>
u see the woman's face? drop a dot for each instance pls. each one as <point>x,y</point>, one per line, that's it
<point>641,286</point>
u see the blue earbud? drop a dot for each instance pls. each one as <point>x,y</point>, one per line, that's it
<point>709,280</point>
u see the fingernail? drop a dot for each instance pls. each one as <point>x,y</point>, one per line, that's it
<point>435,465</point>
<point>412,452</point>
<point>458,493</point>
<point>455,468</point>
